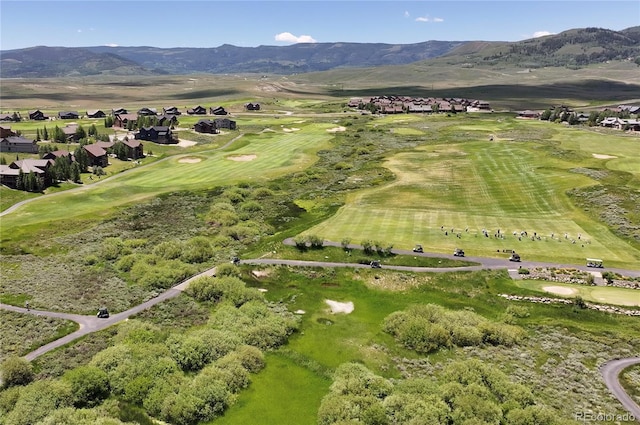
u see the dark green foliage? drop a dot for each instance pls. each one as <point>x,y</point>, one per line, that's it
<point>16,371</point>
<point>197,250</point>
<point>224,288</point>
<point>89,386</point>
<point>38,400</point>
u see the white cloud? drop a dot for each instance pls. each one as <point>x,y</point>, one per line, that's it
<point>542,33</point>
<point>406,14</point>
<point>427,18</point>
<point>111,45</point>
<point>290,38</point>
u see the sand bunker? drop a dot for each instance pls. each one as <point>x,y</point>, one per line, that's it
<point>190,160</point>
<point>299,312</point>
<point>335,129</point>
<point>338,307</point>
<point>186,143</point>
<point>289,130</point>
<point>559,290</point>
<point>242,158</point>
<point>600,156</point>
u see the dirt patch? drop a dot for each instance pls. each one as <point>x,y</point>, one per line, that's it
<point>600,156</point>
<point>559,290</point>
<point>242,158</point>
<point>261,273</point>
<point>186,143</point>
<point>336,129</point>
<point>290,130</point>
<point>190,160</point>
<point>338,307</point>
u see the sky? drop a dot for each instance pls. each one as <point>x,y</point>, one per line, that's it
<point>212,23</point>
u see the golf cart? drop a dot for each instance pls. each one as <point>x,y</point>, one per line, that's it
<point>418,248</point>
<point>515,257</point>
<point>595,262</point>
<point>458,252</point>
<point>103,313</point>
<point>375,264</point>
<point>235,261</point>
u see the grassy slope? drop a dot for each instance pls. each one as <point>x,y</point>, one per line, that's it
<point>466,181</point>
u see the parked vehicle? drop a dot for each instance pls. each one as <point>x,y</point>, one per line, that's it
<point>515,257</point>
<point>375,264</point>
<point>418,248</point>
<point>458,252</point>
<point>235,261</point>
<point>103,313</point>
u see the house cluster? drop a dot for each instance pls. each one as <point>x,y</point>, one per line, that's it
<point>606,117</point>
<point>406,104</point>
<point>9,174</point>
<point>214,126</point>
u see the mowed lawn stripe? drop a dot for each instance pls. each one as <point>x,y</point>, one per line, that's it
<point>281,155</point>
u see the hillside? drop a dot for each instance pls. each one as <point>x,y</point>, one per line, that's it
<point>574,48</point>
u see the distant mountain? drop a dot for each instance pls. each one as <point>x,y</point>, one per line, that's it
<point>573,48</point>
<point>41,61</point>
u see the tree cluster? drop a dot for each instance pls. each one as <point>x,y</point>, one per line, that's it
<point>468,392</point>
<point>428,328</point>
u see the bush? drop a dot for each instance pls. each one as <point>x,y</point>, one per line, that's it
<point>315,241</point>
<point>16,371</point>
<point>227,269</point>
<point>523,271</point>
<point>197,250</point>
<point>89,386</point>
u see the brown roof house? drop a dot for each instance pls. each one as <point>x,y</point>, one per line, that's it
<point>5,131</point>
<point>18,144</point>
<point>9,173</point>
<point>206,126</point>
<point>122,120</point>
<point>148,112</point>
<point>157,134</point>
<point>198,110</point>
<point>134,148</point>
<point>59,154</point>
<point>97,155</point>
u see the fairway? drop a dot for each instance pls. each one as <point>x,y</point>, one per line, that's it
<point>276,153</point>
<point>597,294</point>
<point>444,195</point>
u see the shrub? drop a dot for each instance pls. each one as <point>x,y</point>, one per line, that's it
<point>16,371</point>
<point>197,250</point>
<point>227,269</point>
<point>89,386</point>
<point>315,241</point>
<point>523,271</point>
<point>250,207</point>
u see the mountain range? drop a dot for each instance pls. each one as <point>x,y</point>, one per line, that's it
<point>574,48</point>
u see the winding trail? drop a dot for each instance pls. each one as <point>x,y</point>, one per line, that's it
<point>88,324</point>
<point>610,372</point>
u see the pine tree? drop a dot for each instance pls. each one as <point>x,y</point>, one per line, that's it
<point>20,183</point>
<point>75,172</point>
<point>45,133</point>
<point>38,135</point>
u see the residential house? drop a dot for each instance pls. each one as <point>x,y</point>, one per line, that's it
<point>252,106</point>
<point>225,123</point>
<point>96,113</point>
<point>217,110</point>
<point>5,131</point>
<point>9,173</point>
<point>529,114</point>
<point>171,110</point>
<point>59,154</point>
<point>97,155</point>
<point>118,111</point>
<point>122,120</point>
<point>10,117</point>
<point>105,145</point>
<point>134,148</point>
<point>18,144</point>
<point>71,132</point>
<point>206,126</point>
<point>198,110</point>
<point>37,115</point>
<point>68,115</point>
<point>157,134</point>
<point>167,120</point>
<point>148,112</point>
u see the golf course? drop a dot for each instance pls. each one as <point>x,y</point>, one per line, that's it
<point>307,331</point>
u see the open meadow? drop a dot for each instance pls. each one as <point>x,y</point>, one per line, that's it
<point>307,344</point>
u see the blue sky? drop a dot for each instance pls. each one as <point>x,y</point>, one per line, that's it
<point>212,23</point>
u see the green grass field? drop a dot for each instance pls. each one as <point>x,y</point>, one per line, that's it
<point>467,183</point>
<point>597,294</point>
